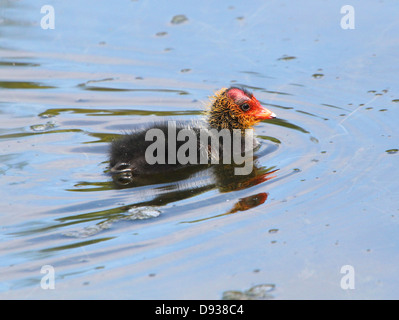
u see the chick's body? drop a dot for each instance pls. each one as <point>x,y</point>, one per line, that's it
<point>230,110</point>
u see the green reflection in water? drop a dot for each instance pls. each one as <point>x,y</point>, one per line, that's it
<point>28,134</point>
<point>285,123</point>
<point>118,112</point>
<point>76,244</point>
<point>24,85</point>
<point>257,74</point>
<point>263,89</point>
<point>311,114</point>
<point>332,106</point>
<point>87,87</point>
<point>269,138</point>
<point>276,106</point>
<point>286,58</point>
<point>101,137</point>
<point>18,64</point>
<point>95,186</point>
<point>102,215</point>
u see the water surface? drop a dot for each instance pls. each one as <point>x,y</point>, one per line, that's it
<point>325,186</point>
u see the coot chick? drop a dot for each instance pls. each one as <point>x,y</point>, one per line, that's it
<point>233,109</point>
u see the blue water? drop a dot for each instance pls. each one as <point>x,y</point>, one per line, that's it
<point>108,67</point>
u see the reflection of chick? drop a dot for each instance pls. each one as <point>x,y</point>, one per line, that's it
<point>232,108</point>
<point>227,181</point>
<point>249,202</point>
<point>242,205</point>
<point>186,184</point>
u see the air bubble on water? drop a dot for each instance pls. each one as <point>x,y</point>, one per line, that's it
<point>317,75</point>
<point>132,214</point>
<point>178,19</point>
<point>142,213</point>
<point>43,127</point>
<point>258,292</point>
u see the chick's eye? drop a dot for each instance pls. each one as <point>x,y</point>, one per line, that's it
<point>245,107</point>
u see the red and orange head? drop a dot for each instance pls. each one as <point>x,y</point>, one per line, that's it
<point>236,108</point>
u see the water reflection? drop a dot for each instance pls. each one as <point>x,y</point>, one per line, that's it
<point>104,79</point>
<point>242,204</point>
<point>257,292</point>
<point>192,181</point>
<point>24,85</point>
<point>118,112</point>
<point>152,193</point>
<point>18,64</point>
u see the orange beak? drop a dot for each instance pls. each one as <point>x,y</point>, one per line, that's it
<point>263,114</point>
